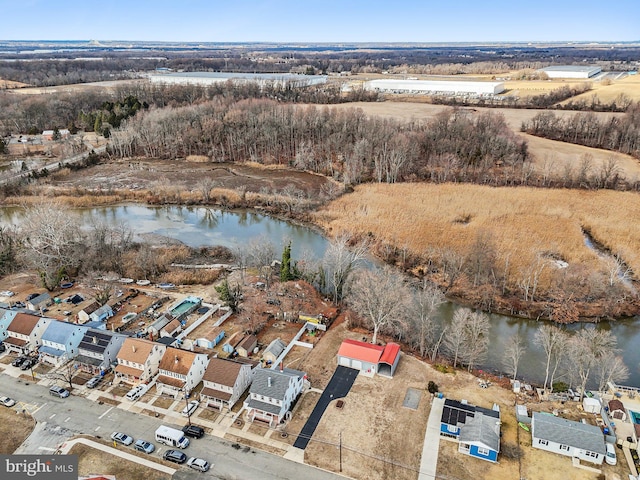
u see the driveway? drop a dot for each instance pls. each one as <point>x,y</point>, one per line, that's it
<point>338,387</point>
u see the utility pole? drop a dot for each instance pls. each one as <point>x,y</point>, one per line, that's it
<point>186,401</point>
<point>340,450</point>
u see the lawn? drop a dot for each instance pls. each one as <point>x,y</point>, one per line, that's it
<point>14,428</point>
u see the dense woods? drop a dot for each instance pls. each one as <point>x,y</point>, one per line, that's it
<point>620,134</point>
<point>346,145</point>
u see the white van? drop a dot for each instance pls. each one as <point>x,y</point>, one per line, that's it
<point>171,436</point>
<point>136,392</point>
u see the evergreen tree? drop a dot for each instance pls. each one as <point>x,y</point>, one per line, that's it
<point>286,272</point>
<point>230,296</point>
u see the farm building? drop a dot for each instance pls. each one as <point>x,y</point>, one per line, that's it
<point>477,429</point>
<point>566,437</point>
<point>369,358</point>
<point>262,79</point>
<point>571,71</point>
<point>435,87</point>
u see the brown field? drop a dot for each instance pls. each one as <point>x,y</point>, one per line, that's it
<point>628,86</point>
<point>14,428</point>
<point>93,461</point>
<point>548,156</point>
<point>522,221</point>
<point>10,84</point>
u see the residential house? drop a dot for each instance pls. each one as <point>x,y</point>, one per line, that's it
<point>171,329</point>
<point>369,358</point>
<point>617,410</point>
<point>49,134</point>
<point>247,345</point>
<point>211,338</point>
<point>180,371</point>
<point>101,314</point>
<point>566,437</point>
<point>60,342</point>
<point>273,351</point>
<point>83,314</point>
<point>476,429</point>
<point>98,350</point>
<point>39,303</point>
<point>24,332</point>
<point>138,360</point>
<point>272,394</point>
<point>6,316</point>
<point>225,381</point>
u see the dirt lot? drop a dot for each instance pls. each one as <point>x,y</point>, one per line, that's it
<point>14,428</point>
<point>92,461</point>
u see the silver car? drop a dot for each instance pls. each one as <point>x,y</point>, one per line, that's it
<point>198,464</point>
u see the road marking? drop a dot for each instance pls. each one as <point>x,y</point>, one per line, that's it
<point>97,428</point>
<point>47,449</point>
<point>52,416</point>
<point>105,413</point>
<point>36,410</point>
<point>68,418</point>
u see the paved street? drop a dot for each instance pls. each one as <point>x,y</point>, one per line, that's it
<point>60,419</point>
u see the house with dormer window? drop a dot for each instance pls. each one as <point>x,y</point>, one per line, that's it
<point>272,394</point>
<point>180,371</point>
<point>24,332</point>
<point>225,381</point>
<point>60,342</point>
<point>138,360</point>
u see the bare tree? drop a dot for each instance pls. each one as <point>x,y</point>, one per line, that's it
<point>379,296</point>
<point>513,353</point>
<point>339,262</point>
<point>551,340</point>
<point>587,347</point>
<point>423,305</point>
<point>52,240</point>
<point>262,253</point>
<point>610,368</point>
<point>617,270</point>
<point>477,339</point>
<point>205,185</point>
<point>455,341</point>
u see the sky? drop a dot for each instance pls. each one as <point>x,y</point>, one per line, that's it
<point>322,21</point>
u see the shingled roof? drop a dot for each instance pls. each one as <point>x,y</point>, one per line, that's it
<point>177,360</point>
<point>567,432</point>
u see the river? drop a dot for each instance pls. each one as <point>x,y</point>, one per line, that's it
<point>197,226</point>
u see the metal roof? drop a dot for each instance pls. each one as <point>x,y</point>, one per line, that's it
<point>246,76</point>
<point>366,352</point>
<point>390,353</point>
<point>570,68</point>
<point>567,432</point>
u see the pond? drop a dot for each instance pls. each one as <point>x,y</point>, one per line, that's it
<point>198,226</point>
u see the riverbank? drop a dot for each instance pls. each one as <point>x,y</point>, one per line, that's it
<point>533,248</point>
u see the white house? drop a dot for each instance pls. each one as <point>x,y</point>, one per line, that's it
<point>272,393</point>
<point>225,381</point>
<point>566,437</point>
<point>60,342</point>
<point>180,371</point>
<point>138,360</point>
<point>24,333</point>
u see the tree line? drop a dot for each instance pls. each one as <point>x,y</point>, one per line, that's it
<point>346,145</point>
<point>620,134</point>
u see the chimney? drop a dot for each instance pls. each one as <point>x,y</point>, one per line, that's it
<point>269,382</point>
<point>94,340</point>
<point>133,347</point>
<point>176,360</point>
<point>281,367</point>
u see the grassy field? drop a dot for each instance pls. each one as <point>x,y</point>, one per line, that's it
<point>629,86</point>
<point>14,428</point>
<point>522,221</point>
<point>93,461</point>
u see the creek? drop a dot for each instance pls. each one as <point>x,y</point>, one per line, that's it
<point>198,226</point>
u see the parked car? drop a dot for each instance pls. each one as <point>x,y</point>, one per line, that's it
<point>144,446</point>
<point>2,347</point>
<point>193,431</point>
<point>94,381</point>
<point>190,408</point>
<point>175,456</point>
<point>121,438</point>
<point>60,392</point>
<point>19,361</point>
<point>610,457</point>
<point>28,363</point>
<point>136,392</point>
<point>7,402</point>
<point>198,464</point>
<point>6,293</point>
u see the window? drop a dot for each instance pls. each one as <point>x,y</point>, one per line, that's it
<point>542,442</point>
<point>564,447</point>
<point>591,454</point>
<point>483,451</point>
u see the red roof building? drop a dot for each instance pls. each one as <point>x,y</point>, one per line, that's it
<point>369,358</point>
